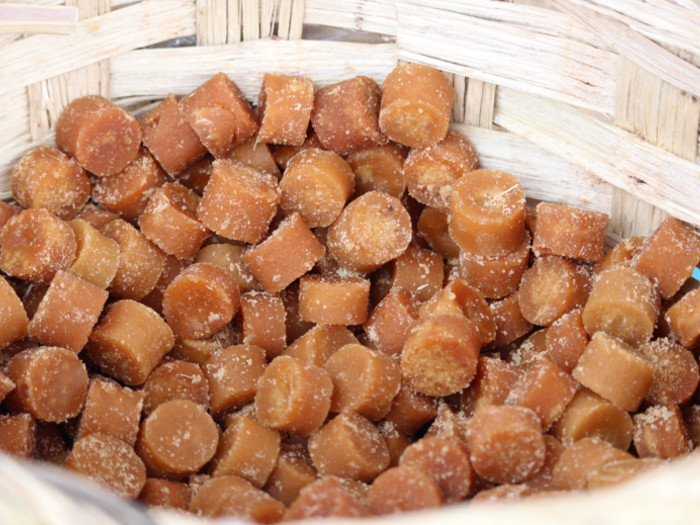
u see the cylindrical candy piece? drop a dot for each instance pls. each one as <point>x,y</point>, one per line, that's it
<point>97,256</point>
<point>403,489</point>
<point>51,383</point>
<point>101,136</point>
<point>293,396</point>
<point>440,354</point>
<point>416,105</point>
<point>330,299</point>
<point>12,313</point>
<point>177,439</point>
<point>506,444</point>
<point>175,380</point>
<point>487,213</point>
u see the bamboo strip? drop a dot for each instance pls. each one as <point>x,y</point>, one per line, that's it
<point>481,97</point>
<point>20,18</point>
<point>649,172</point>
<point>459,110</point>
<point>211,22</point>
<point>291,19</point>
<point>250,20</point>
<point>541,64</point>
<point>660,20</point>
<point>35,58</point>
<point>544,175</point>
<point>647,54</point>
<point>234,29</point>
<point>181,70</point>
<point>14,130</point>
<point>374,16</point>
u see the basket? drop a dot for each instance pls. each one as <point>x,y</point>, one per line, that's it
<point>588,102</point>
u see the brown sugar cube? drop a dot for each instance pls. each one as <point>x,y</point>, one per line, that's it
<point>345,115</point>
<point>505,443</point>
<point>618,471</point>
<point>581,459</point>
<point>543,478</point>
<point>622,253</point>
<point>370,231</point>
<point>527,351</point>
<point>68,312</point>
<point>684,318</point>
<point>126,193</point>
<point>589,415</point>
<point>410,410</point>
<point>487,213</point>
<point>566,339</point>
<point>177,439</point>
<point>419,271</point>
<point>619,293</point>
<point>246,449</point>
<point>175,380</point>
<point>440,354</point>
<point>233,373</point>
<point>262,323</point>
<point>316,184</point>
<point>18,435</point>
<point>6,386</point>
<point>234,497</point>
<point>101,136</point>
<point>379,167</point>
<point>287,254</point>
<point>257,155</point>
<point>196,177</point>
<point>349,446</point>
<point>432,227</point>
<point>199,350</point>
<point>390,321</point>
<point>611,369</point>
<point>96,216</point>
<point>293,396</point>
<point>446,461</point>
<point>163,493</point>
<point>97,256</point>
<point>675,372</point>
<point>284,105</point>
<point>169,220</point>
<point>140,261</point>
<point>110,462</point>
<point>364,381</point>
<point>416,105</point>
<point>172,267</point>
<point>431,171</point>
<point>551,287</point>
<point>497,276</point>
<point>403,489</point>
<point>331,299</point>
<point>292,472</point>
<point>34,245</point>
<point>13,315</point>
<point>169,138</point>
<point>47,178</point>
<point>230,258</point>
<point>319,343</point>
<point>327,497</point>
<point>51,383</point>
<point>239,202</point>
<point>669,256</point>
<point>396,441</point>
<point>111,409</point>
<point>129,342</point>
<point>659,432</point>
<point>545,389</point>
<point>491,385</point>
<point>219,114</point>
<point>200,301</point>
<point>449,423</point>
<point>457,297</point>
<point>7,210</point>
<point>570,232</point>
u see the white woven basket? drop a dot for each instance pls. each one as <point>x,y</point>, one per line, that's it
<point>588,102</point>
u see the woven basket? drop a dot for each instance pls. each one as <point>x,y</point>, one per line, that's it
<point>588,102</point>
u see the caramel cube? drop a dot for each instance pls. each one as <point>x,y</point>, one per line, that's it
<point>333,299</point>
<point>97,257</point>
<point>285,105</point>
<point>262,322</point>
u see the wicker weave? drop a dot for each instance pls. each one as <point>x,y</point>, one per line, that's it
<point>589,102</point>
